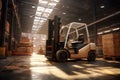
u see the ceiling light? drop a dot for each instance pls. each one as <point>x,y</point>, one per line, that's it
<point>43,19</point>
<point>34,26</point>
<point>48,10</point>
<point>107,31</point>
<point>79,19</point>
<point>63,13</point>
<point>43,2</point>
<point>55,0</point>
<point>36,20</point>
<point>40,8</point>
<point>45,15</point>
<point>102,6</point>
<point>52,4</point>
<point>38,13</point>
<point>100,33</point>
<point>115,29</point>
<point>33,6</point>
<point>36,17</point>
<point>31,16</point>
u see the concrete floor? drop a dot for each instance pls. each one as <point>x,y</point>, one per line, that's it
<point>36,67</point>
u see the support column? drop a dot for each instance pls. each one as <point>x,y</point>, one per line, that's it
<point>2,27</point>
<point>95,26</point>
<point>3,21</point>
<point>10,47</point>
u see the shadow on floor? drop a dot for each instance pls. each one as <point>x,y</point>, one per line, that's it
<point>98,70</point>
<point>81,66</point>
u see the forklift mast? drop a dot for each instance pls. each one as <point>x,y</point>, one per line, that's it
<point>52,44</point>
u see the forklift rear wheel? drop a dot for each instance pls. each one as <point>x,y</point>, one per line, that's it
<point>61,55</point>
<point>91,56</point>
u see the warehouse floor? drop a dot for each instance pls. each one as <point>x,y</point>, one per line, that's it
<point>36,67</point>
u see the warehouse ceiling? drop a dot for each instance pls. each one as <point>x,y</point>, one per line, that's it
<point>86,11</point>
<point>26,11</point>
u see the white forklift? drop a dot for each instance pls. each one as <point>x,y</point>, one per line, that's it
<point>71,41</point>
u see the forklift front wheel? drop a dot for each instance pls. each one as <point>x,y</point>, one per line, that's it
<point>91,56</point>
<point>62,55</point>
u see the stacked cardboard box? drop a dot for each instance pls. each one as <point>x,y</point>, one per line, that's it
<point>111,44</point>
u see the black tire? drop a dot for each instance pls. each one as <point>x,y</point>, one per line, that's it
<point>91,56</point>
<point>61,55</point>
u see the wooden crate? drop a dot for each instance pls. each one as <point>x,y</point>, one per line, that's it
<point>23,51</point>
<point>23,48</point>
<point>111,44</point>
<point>24,39</point>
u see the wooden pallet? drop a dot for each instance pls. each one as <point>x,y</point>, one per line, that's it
<point>111,57</point>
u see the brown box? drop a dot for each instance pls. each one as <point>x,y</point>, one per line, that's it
<point>24,39</point>
<point>111,44</point>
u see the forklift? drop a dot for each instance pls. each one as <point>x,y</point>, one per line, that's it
<point>70,41</point>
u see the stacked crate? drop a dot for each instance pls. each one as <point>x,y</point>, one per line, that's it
<point>111,45</point>
<point>24,47</point>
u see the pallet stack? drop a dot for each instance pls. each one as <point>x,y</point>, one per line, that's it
<point>111,45</point>
<point>24,47</point>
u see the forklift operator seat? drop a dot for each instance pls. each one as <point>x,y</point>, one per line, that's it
<point>76,45</point>
<point>81,38</point>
